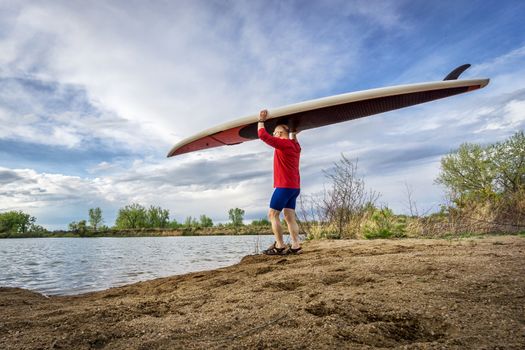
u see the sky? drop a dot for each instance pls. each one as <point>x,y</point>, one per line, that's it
<point>93,94</point>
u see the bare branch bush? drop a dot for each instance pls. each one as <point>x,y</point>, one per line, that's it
<point>339,210</point>
<point>497,216</point>
<point>310,217</point>
<point>411,203</point>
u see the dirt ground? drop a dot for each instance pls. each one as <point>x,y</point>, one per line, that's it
<point>346,294</point>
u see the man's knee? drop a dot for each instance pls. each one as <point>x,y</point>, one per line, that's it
<point>273,214</point>
<point>289,215</point>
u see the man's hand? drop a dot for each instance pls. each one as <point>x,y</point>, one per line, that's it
<point>263,115</point>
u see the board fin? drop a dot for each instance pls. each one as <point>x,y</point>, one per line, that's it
<point>454,75</point>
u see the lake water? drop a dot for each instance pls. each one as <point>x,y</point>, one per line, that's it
<point>60,266</point>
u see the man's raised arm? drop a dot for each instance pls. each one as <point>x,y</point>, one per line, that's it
<point>262,118</point>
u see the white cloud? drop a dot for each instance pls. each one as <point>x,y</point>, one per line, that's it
<point>385,13</point>
<point>59,115</point>
<point>515,113</point>
<point>419,177</point>
<point>510,118</point>
<point>66,136</point>
<point>180,73</point>
<point>499,64</point>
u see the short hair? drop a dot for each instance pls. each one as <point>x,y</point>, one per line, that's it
<point>284,126</point>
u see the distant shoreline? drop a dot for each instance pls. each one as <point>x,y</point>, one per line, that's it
<point>206,231</point>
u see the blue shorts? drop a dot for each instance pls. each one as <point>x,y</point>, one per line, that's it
<point>284,198</point>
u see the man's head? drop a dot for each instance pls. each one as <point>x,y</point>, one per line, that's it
<point>281,131</point>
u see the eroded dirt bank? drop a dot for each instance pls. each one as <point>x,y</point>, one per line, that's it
<point>407,294</point>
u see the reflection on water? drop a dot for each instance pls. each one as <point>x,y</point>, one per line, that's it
<point>79,265</point>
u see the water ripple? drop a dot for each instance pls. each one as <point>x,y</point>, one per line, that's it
<point>64,266</point>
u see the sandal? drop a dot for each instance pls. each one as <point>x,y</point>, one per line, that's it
<point>294,251</point>
<point>273,250</point>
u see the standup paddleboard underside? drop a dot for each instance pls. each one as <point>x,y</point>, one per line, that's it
<point>304,116</point>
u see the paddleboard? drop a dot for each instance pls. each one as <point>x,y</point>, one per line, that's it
<point>330,110</point>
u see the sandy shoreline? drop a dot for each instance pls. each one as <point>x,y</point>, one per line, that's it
<point>407,294</point>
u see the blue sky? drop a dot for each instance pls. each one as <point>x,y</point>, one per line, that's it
<point>94,94</point>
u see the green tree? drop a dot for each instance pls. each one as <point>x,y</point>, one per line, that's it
<point>16,222</point>
<point>73,226</point>
<point>174,224</point>
<point>156,217</point>
<point>468,172</point>
<point>82,228</point>
<point>190,221</point>
<point>261,222</point>
<point>205,221</point>
<point>509,160</point>
<point>79,227</point>
<point>476,172</point>
<point>236,216</point>
<point>132,216</point>
<point>95,218</point>
<point>37,229</point>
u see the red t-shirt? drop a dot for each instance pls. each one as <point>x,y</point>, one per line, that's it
<point>285,160</point>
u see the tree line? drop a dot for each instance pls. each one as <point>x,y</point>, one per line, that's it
<point>137,217</point>
<point>130,217</point>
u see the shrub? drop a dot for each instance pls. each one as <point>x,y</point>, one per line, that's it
<point>382,223</point>
<point>486,187</point>
<point>261,222</point>
<point>339,210</point>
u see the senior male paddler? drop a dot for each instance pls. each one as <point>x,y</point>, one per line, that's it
<point>286,183</point>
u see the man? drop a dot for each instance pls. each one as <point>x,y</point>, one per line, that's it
<point>286,181</point>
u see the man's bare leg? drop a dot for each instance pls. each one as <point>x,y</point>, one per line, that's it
<point>293,227</point>
<point>277,230</point>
